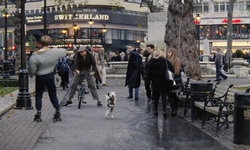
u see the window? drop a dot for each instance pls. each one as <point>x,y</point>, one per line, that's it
<point>236,9</point>
<point>126,34</point>
<point>198,8</point>
<point>216,7</point>
<point>222,7</point>
<point>131,36</point>
<point>206,8</point>
<point>134,1</point>
<point>241,6</point>
<point>227,6</point>
<point>247,6</point>
<point>115,34</point>
<point>122,34</point>
<point>1,38</point>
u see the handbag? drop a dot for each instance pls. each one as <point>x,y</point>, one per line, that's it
<point>183,77</point>
<point>169,75</point>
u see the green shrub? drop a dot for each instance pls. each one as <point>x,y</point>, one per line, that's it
<point>7,90</point>
<point>239,54</point>
<point>9,82</point>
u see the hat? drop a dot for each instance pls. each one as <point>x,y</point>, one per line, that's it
<point>101,48</point>
<point>82,48</point>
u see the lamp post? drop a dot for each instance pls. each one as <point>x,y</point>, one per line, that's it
<point>76,28</point>
<point>91,22</point>
<point>64,31</point>
<point>45,18</point>
<point>104,30</point>
<point>6,61</point>
<point>197,21</point>
<point>23,99</point>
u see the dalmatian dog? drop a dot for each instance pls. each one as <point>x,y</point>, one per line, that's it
<point>110,104</point>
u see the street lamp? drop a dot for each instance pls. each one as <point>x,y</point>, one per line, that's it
<point>76,28</point>
<point>91,22</point>
<point>64,31</point>
<point>6,61</point>
<point>23,100</point>
<point>45,17</point>
<point>197,22</point>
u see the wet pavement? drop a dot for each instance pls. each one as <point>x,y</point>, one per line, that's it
<point>133,128</point>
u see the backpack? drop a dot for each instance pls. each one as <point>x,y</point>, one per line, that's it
<point>62,66</point>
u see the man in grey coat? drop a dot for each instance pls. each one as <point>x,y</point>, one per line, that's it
<point>41,65</point>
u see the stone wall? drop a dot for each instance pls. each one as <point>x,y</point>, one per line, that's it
<point>156,28</point>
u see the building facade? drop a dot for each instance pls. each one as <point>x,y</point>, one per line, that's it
<point>113,25</point>
<point>213,23</point>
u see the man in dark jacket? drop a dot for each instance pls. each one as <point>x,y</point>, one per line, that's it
<point>147,81</point>
<point>83,63</point>
<point>133,75</point>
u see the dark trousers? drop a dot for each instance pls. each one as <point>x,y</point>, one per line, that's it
<point>65,79</point>
<point>148,88</point>
<point>173,100</point>
<point>219,73</point>
<point>156,97</point>
<point>47,80</point>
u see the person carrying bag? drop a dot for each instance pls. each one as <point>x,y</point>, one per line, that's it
<point>158,74</point>
<point>172,95</point>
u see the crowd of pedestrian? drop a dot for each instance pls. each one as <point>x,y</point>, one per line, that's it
<point>154,71</point>
<point>88,64</point>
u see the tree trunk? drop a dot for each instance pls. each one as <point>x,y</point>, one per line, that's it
<point>229,33</point>
<point>181,34</point>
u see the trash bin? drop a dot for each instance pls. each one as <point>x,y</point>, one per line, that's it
<point>241,118</point>
<point>199,91</point>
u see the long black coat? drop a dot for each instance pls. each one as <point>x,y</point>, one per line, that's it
<point>157,73</point>
<point>133,75</point>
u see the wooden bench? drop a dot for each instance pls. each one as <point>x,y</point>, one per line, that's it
<point>218,104</point>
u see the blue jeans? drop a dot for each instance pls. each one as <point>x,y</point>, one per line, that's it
<point>219,73</point>
<point>47,80</point>
<point>130,91</point>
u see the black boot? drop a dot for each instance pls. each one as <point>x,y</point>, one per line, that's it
<point>172,103</point>
<point>156,107</point>
<point>67,102</point>
<point>38,116</point>
<point>165,114</point>
<point>174,112</point>
<point>175,106</point>
<point>155,112</point>
<point>57,116</point>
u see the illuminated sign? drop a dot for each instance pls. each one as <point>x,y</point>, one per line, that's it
<point>233,20</point>
<point>34,19</point>
<point>81,17</point>
<point>64,17</point>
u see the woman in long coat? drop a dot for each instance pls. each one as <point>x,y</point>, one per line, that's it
<point>160,85</point>
<point>172,95</point>
<point>133,75</point>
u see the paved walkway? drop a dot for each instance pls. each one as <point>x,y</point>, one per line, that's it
<point>19,131</point>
